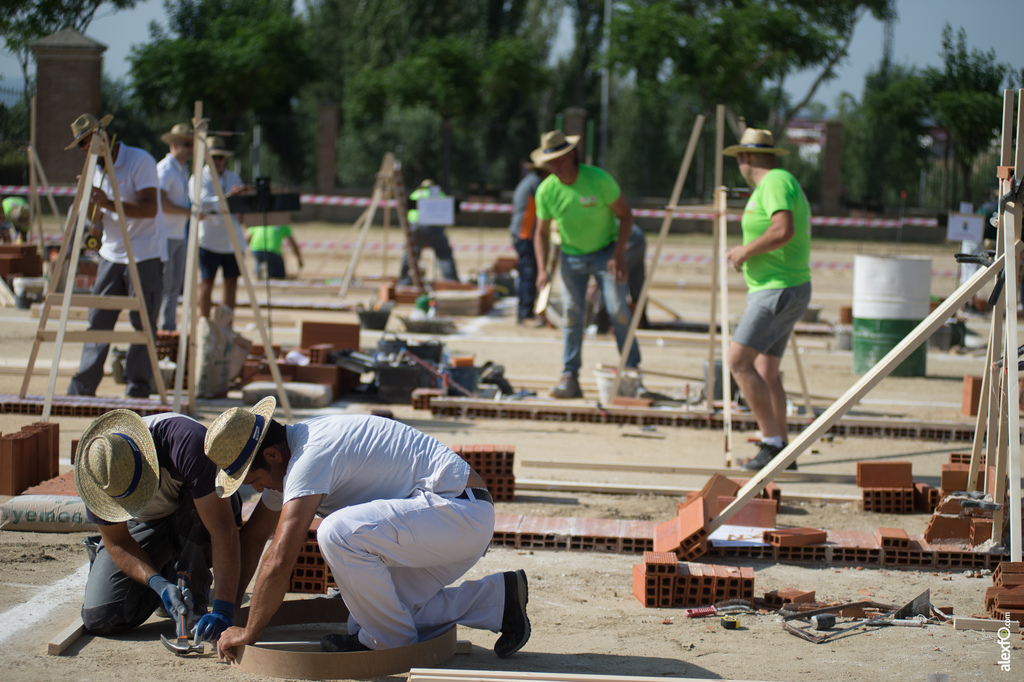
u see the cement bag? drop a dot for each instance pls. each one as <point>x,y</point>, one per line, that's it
<point>300,394</point>
<point>45,514</point>
<point>215,344</point>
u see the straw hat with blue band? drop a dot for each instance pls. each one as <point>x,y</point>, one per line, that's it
<point>755,141</point>
<point>234,438</point>
<point>116,468</point>
<point>553,144</point>
<point>85,125</point>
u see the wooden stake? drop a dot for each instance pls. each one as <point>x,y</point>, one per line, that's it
<point>66,638</point>
<point>808,407</point>
<point>723,302</point>
<point>666,222</point>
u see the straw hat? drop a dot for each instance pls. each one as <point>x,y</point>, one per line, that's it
<point>426,183</point>
<point>19,216</point>
<point>116,468</point>
<point>553,144</point>
<point>234,438</point>
<point>85,124</point>
<point>218,147</point>
<point>755,141</point>
<point>180,132</point>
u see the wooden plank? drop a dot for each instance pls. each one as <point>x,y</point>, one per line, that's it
<point>627,489</point>
<point>807,476</point>
<point>983,624</point>
<point>723,304</point>
<point>111,336</point>
<point>448,675</point>
<point>66,638</point>
<point>820,426</point>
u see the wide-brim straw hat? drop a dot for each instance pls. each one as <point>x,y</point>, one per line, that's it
<point>218,147</point>
<point>755,141</point>
<point>116,468</point>
<point>85,124</point>
<point>180,132</point>
<point>553,144</point>
<point>233,440</point>
<point>19,216</point>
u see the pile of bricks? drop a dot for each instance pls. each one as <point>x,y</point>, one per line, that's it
<point>776,599</point>
<point>317,341</point>
<point>79,406</point>
<point>661,581</point>
<point>1005,599</point>
<point>29,457</point>
<point>311,574</point>
<point>886,487</point>
<point>494,464</point>
<point>421,397</point>
<point>20,260</point>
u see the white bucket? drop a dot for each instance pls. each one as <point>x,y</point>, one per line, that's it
<point>628,387</point>
<point>892,288</point>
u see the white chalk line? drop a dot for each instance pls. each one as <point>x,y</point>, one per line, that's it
<point>54,595</point>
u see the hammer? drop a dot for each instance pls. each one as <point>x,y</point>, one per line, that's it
<point>181,646</point>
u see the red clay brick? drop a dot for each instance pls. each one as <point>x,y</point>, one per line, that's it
<point>716,486</point>
<point>971,396</point>
<point>954,477</point>
<point>893,537</point>
<point>942,527</point>
<point>1008,574</point>
<point>872,474</point>
<point>926,497</point>
<point>795,537</point>
<point>981,530</point>
<point>341,335</point>
<point>759,513</point>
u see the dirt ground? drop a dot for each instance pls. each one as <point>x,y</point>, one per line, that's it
<point>585,619</point>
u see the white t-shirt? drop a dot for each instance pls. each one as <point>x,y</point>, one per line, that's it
<point>174,180</point>
<point>213,236</point>
<point>135,170</point>
<point>356,459</point>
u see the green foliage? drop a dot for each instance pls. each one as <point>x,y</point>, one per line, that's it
<point>965,101</point>
<point>244,59</point>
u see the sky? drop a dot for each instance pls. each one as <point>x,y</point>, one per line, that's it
<point>990,24</point>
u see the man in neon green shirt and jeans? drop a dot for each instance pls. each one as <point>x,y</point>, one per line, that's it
<point>266,242</point>
<point>594,222</point>
<point>775,259</point>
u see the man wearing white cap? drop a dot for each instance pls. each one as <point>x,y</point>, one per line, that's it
<point>404,517</point>
<point>594,223</point>
<point>149,487</point>
<point>775,260</point>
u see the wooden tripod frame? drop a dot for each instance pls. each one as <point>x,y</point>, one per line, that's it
<point>71,246</point>
<point>201,156</point>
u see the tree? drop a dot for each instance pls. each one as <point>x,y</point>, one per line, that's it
<point>240,57</point>
<point>965,100</point>
<point>25,21</point>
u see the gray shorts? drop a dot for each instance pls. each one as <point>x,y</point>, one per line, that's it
<point>769,318</point>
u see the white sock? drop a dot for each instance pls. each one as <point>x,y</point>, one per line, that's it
<point>775,441</point>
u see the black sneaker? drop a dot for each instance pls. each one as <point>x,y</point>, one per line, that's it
<point>137,389</point>
<point>515,626</point>
<point>765,454</point>
<point>334,644</point>
<point>568,387</point>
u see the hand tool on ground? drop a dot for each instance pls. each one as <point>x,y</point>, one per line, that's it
<point>181,646</point>
<point>730,622</point>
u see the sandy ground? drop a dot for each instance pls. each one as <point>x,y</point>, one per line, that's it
<point>585,619</point>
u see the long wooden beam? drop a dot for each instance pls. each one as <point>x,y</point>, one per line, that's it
<point>805,476</point>
<point>668,491</point>
<point>820,426</point>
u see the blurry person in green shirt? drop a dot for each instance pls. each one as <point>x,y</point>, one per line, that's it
<point>266,243</point>
<point>775,260</point>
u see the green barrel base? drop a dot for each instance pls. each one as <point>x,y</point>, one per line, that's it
<point>873,339</point>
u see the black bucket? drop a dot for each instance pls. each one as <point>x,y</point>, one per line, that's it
<point>395,383</point>
<point>428,351</point>
<point>390,344</point>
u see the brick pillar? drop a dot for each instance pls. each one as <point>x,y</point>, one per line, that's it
<point>69,67</point>
<point>832,166</point>
<point>327,147</point>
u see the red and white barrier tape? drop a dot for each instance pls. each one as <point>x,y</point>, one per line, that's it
<point>487,207</point>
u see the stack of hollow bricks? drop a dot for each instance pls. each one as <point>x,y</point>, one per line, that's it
<point>1005,599</point>
<point>494,464</point>
<point>662,581</point>
<point>29,457</point>
<point>886,487</point>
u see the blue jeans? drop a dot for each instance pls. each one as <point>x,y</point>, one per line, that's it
<point>527,277</point>
<point>576,272</point>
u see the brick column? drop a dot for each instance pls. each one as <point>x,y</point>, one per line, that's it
<point>832,166</point>
<point>69,67</point>
<point>327,147</point>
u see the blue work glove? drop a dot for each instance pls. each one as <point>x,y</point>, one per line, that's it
<point>212,624</point>
<point>177,602</point>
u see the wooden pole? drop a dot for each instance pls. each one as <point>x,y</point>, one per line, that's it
<point>666,222</point>
<point>800,374</point>
<point>723,302</point>
<point>188,355</point>
<point>1010,350</point>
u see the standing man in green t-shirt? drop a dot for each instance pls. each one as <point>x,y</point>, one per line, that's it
<point>14,219</point>
<point>594,222</point>
<point>775,258</point>
<point>266,243</point>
